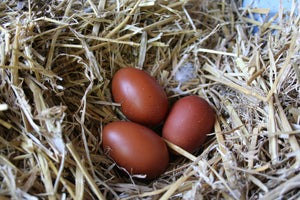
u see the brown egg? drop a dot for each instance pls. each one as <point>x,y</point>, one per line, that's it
<point>142,99</point>
<point>136,148</point>
<point>188,123</point>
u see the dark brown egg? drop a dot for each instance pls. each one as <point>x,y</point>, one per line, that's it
<point>188,123</point>
<point>136,148</point>
<point>142,99</point>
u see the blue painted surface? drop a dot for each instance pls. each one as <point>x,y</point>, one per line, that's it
<point>273,5</point>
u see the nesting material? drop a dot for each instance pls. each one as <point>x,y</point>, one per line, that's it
<point>57,60</point>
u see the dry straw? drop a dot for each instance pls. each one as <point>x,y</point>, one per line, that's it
<point>57,59</point>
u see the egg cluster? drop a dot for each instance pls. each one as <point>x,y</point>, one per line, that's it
<point>133,145</point>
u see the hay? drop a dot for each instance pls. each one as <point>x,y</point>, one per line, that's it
<point>57,59</point>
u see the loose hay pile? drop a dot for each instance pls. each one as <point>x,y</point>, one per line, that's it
<point>58,58</point>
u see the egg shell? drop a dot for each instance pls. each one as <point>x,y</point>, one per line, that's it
<point>142,99</point>
<point>190,120</point>
<point>136,148</point>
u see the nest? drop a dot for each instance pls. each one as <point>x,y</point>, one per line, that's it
<point>57,60</point>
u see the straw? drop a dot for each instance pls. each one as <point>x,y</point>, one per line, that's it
<point>57,62</point>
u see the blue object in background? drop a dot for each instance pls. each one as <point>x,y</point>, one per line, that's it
<point>273,5</point>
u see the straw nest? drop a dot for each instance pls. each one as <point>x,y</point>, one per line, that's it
<point>57,61</point>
